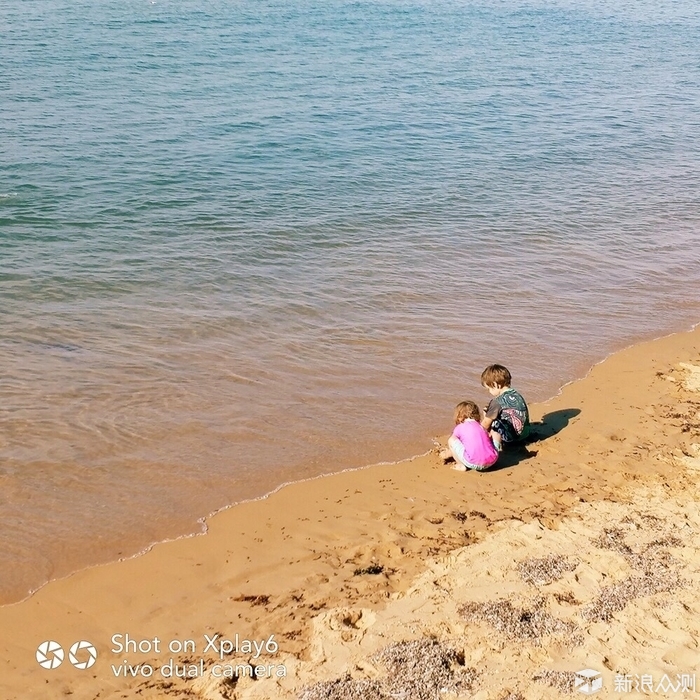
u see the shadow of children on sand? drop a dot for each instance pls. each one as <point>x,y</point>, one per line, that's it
<point>551,424</point>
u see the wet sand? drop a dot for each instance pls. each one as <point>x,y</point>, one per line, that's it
<point>415,581</point>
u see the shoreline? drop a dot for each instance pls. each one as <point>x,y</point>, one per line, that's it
<point>203,520</point>
<point>363,540</point>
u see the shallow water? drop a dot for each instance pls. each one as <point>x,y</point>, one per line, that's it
<point>245,243</point>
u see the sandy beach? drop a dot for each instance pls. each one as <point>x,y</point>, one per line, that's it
<point>414,581</point>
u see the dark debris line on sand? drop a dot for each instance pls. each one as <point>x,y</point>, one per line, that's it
<point>373,570</point>
<point>419,670</point>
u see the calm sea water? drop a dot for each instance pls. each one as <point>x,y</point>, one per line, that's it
<point>248,242</point>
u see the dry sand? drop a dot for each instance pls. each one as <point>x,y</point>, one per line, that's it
<point>414,581</point>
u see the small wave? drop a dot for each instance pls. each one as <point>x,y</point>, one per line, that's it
<point>8,195</point>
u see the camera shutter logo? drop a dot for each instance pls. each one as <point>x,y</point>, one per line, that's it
<point>49,654</point>
<point>87,662</point>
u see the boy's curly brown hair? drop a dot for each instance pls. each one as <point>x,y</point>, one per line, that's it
<point>497,375</point>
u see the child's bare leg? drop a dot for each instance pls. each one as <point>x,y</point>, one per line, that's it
<point>496,440</point>
<point>457,452</point>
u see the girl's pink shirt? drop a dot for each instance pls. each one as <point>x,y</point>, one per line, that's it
<point>478,448</point>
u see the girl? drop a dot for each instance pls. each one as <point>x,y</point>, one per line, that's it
<point>469,443</point>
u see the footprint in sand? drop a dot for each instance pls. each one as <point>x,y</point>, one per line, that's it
<point>332,628</point>
<point>691,381</point>
<point>691,457</point>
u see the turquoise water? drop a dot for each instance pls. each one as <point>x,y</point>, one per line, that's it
<point>248,242</point>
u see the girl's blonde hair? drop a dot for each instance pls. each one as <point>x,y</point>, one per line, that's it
<point>466,409</point>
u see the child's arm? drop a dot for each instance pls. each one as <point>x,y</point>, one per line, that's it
<point>492,411</point>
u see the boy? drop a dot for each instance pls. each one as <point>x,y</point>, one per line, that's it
<point>507,418</point>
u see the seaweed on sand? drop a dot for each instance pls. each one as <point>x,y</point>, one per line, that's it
<point>518,624</point>
<point>545,570</point>
<point>417,670</point>
<point>563,681</point>
<point>614,598</point>
<point>655,571</point>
